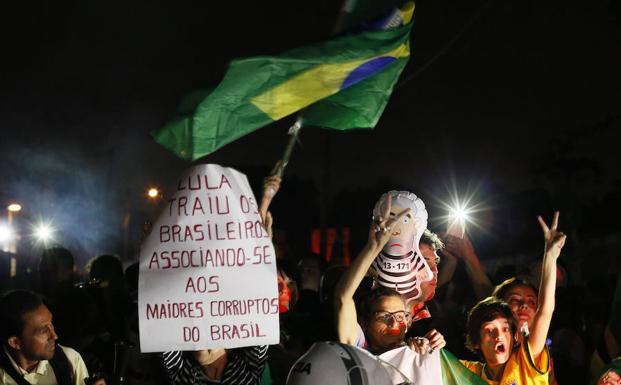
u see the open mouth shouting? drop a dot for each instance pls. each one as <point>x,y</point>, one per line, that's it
<point>500,348</point>
<point>496,340</point>
<point>502,351</point>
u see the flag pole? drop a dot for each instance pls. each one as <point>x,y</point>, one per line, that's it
<point>294,132</point>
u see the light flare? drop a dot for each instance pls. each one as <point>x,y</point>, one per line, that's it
<point>462,209</point>
<point>459,213</point>
<point>44,233</point>
<point>6,233</point>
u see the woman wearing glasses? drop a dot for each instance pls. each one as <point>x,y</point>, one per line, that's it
<point>383,319</point>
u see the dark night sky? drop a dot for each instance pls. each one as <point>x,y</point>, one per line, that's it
<point>504,86</point>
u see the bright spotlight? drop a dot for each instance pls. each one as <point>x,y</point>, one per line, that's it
<point>43,232</point>
<point>461,208</point>
<point>459,213</point>
<point>457,218</point>
<point>6,233</point>
<point>153,193</point>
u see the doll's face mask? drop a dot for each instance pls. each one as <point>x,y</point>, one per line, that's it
<point>407,231</point>
<point>403,233</point>
<point>400,265</point>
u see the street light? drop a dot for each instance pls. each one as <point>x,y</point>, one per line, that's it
<point>10,244</point>
<point>153,193</point>
<point>14,207</point>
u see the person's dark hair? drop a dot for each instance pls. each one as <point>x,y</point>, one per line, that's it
<point>430,238</point>
<point>370,299</point>
<point>105,267</point>
<point>13,305</point>
<point>485,311</point>
<point>289,268</point>
<point>54,261</point>
<point>501,291</point>
<point>131,277</point>
<point>321,263</point>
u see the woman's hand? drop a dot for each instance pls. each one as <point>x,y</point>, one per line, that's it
<point>436,339</point>
<point>271,185</point>
<point>431,342</point>
<point>419,344</point>
<point>381,227</point>
<point>554,239</point>
<point>459,247</point>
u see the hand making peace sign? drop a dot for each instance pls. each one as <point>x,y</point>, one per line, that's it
<point>554,239</point>
<point>381,227</point>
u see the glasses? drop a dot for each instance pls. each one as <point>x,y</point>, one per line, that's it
<point>388,317</point>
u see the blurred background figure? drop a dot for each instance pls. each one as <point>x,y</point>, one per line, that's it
<point>76,316</point>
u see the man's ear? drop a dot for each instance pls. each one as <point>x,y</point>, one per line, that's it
<point>14,342</point>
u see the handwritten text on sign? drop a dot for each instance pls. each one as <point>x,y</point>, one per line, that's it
<point>208,269</point>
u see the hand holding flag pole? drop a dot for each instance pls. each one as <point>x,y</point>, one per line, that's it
<point>271,185</point>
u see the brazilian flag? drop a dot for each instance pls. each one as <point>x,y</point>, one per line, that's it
<point>343,83</point>
<point>454,373</point>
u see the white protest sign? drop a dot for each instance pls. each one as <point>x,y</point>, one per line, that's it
<point>208,268</point>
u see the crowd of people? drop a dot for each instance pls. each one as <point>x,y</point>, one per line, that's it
<point>408,287</point>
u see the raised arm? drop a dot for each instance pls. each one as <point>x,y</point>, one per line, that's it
<point>462,248</point>
<point>447,268</point>
<point>344,306</point>
<point>554,241</point>
<point>271,185</point>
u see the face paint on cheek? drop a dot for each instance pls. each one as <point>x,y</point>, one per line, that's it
<point>284,297</point>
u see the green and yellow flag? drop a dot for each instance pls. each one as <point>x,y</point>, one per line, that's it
<point>454,373</point>
<point>342,83</point>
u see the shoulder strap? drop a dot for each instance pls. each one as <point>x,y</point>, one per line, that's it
<point>6,365</point>
<point>62,367</point>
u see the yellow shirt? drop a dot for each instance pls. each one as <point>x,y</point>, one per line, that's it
<point>520,369</point>
<point>44,374</point>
